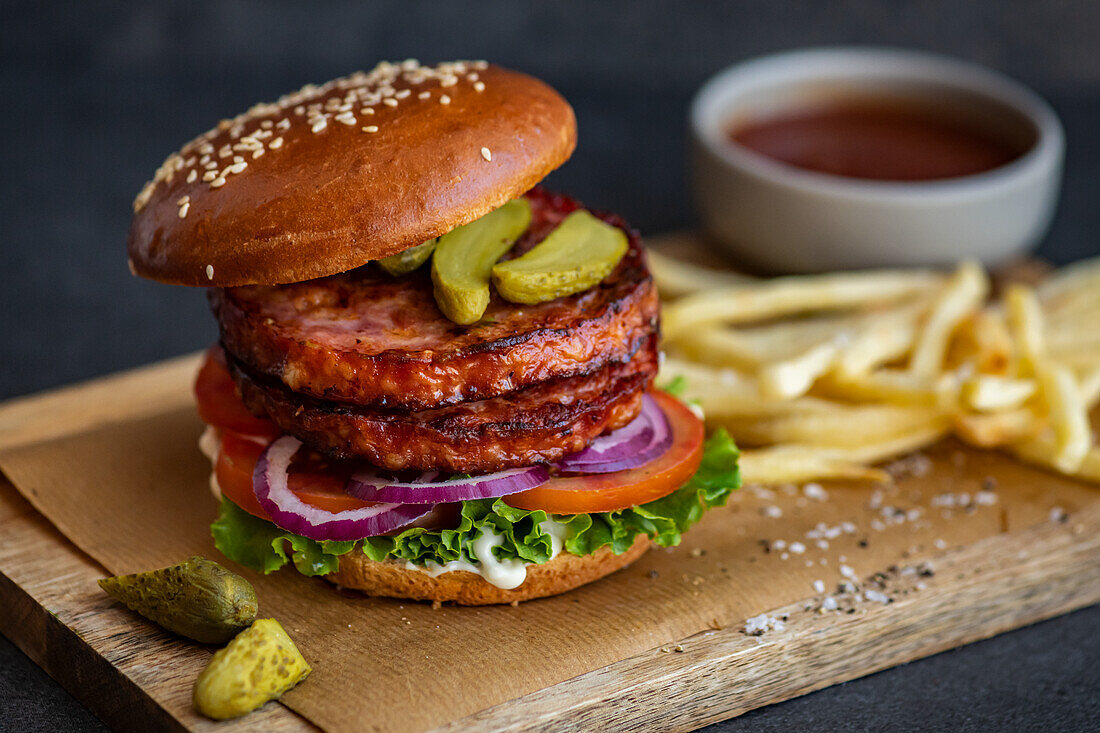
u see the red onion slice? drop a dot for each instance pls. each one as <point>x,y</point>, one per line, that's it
<point>645,438</point>
<point>269,482</point>
<point>369,486</point>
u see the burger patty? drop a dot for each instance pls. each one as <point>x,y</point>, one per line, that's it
<point>539,424</point>
<point>366,338</point>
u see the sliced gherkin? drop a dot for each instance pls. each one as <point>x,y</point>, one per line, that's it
<point>198,599</point>
<point>259,665</point>
<point>464,259</point>
<point>580,252</point>
<point>405,262</point>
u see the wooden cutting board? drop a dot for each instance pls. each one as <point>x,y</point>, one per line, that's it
<point>951,568</point>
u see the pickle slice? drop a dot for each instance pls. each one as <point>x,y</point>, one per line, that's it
<point>464,259</point>
<point>260,664</point>
<point>405,262</point>
<point>580,252</point>
<point>198,599</point>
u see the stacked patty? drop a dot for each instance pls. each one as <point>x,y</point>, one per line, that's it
<point>363,364</point>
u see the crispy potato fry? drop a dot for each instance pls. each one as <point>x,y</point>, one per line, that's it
<point>1025,324</point>
<point>842,426</point>
<point>883,336</point>
<point>675,278</point>
<point>893,386</point>
<point>961,297</point>
<point>983,340</point>
<point>794,377</point>
<point>790,295</point>
<point>795,463</point>
<point>1044,451</point>
<point>1068,416</point>
<point>990,393</point>
<point>997,428</point>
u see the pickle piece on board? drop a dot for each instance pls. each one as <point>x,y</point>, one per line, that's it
<point>405,262</point>
<point>259,665</point>
<point>464,259</point>
<point>579,253</point>
<point>198,599</point>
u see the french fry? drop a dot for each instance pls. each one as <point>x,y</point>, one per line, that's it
<point>1068,416</point>
<point>793,377</point>
<point>963,294</point>
<point>894,386</point>
<point>1043,451</point>
<point>842,426</point>
<point>675,278</point>
<point>998,428</point>
<point>1025,324</point>
<point>790,295</point>
<point>990,393</point>
<point>883,336</point>
<point>796,463</point>
<point>983,341</point>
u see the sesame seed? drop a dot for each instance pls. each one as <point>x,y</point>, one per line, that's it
<point>479,86</point>
<point>192,176</point>
<point>257,153</point>
<point>218,182</point>
<point>367,111</point>
<point>389,102</point>
<point>276,143</point>
<point>209,176</point>
<point>402,93</point>
<point>472,76</point>
<point>209,272</point>
<point>444,99</point>
<point>319,125</point>
<point>183,200</point>
<point>266,124</point>
<point>370,128</point>
<point>424,95</point>
<point>237,167</point>
<point>237,159</point>
<point>486,154</point>
<point>283,124</point>
<point>184,209</point>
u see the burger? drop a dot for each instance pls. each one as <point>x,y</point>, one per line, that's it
<point>433,379</point>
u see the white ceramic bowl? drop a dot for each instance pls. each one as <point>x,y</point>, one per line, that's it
<point>778,217</point>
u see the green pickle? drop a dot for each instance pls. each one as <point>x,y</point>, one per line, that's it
<point>259,665</point>
<point>198,599</point>
<point>405,262</point>
<point>579,253</point>
<point>464,259</point>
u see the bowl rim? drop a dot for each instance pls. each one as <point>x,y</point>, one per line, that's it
<point>706,117</point>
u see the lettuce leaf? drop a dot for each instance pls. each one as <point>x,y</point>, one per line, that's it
<point>260,545</point>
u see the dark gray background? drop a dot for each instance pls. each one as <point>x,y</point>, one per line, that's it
<point>96,94</point>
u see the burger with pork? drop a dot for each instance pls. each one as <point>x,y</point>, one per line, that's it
<point>434,380</point>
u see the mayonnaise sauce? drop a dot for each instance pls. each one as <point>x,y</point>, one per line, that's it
<point>210,444</point>
<point>506,574</point>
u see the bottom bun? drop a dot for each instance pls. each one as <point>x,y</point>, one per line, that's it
<point>392,579</point>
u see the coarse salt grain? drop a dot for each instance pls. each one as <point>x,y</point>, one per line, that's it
<point>819,586</point>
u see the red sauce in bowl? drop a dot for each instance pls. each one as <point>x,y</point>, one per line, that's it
<point>885,142</point>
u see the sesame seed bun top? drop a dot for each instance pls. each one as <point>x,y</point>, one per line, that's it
<point>331,177</point>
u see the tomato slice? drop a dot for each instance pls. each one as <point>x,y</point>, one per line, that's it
<point>310,478</point>
<point>220,405</point>
<point>608,492</point>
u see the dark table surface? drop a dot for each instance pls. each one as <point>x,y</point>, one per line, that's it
<point>96,94</point>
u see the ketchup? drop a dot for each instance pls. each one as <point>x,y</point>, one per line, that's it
<point>877,141</point>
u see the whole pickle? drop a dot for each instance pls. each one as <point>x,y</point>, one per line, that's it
<point>198,599</point>
<point>464,258</point>
<point>580,252</point>
<point>260,664</point>
<point>405,262</point>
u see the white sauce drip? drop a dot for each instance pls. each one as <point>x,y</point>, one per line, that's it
<point>506,574</point>
<point>210,444</point>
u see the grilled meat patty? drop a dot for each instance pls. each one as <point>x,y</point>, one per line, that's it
<point>366,338</point>
<point>538,424</point>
